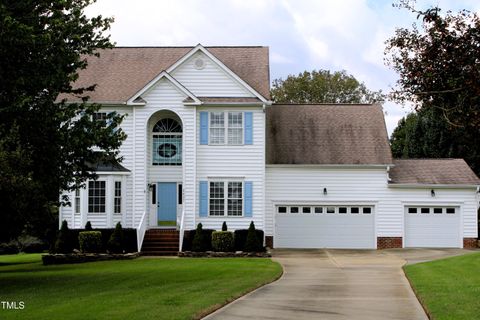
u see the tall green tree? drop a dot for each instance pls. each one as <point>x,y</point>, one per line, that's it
<point>322,86</point>
<point>439,68</point>
<point>45,144</point>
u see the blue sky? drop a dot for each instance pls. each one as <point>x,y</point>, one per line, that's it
<point>302,34</point>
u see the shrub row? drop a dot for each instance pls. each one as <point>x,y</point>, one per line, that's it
<point>71,240</point>
<point>24,243</point>
<point>212,240</point>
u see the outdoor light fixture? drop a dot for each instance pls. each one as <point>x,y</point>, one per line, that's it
<point>150,186</point>
<point>432,193</point>
<point>324,191</point>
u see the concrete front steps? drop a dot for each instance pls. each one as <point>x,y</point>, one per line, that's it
<point>160,242</point>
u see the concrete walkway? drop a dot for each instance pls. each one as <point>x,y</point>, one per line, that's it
<point>337,284</point>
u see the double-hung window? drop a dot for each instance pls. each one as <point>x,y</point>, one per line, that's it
<point>226,128</point>
<point>96,196</point>
<point>118,197</point>
<point>77,201</point>
<point>226,198</point>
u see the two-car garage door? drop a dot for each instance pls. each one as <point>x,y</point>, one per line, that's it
<point>430,227</point>
<point>329,226</point>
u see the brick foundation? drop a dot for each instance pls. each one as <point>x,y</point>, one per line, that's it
<point>389,242</point>
<point>269,241</point>
<point>470,243</point>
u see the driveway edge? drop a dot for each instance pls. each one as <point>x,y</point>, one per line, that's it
<point>422,303</point>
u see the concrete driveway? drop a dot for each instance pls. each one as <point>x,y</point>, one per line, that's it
<point>337,284</point>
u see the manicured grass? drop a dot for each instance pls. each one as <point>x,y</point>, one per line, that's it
<point>449,288</point>
<point>145,288</point>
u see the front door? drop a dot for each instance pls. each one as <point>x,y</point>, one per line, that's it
<point>167,204</point>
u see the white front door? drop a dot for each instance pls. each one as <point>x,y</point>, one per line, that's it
<point>325,226</point>
<point>432,227</point>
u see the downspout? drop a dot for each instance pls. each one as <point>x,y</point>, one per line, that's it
<point>388,174</point>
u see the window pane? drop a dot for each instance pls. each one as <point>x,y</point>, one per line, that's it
<point>412,210</point>
<point>282,209</point>
<point>437,210</point>
<point>354,210</point>
<point>235,136</point>
<point>306,209</point>
<point>367,210</point>
<point>235,190</point>
<point>167,150</point>
<point>450,210</point>
<point>234,207</point>
<point>342,210</point>
<point>217,120</point>
<point>217,136</point>
<point>235,120</point>
<point>293,209</point>
<point>235,198</point>
<point>425,210</point>
<point>318,209</point>
<point>330,209</point>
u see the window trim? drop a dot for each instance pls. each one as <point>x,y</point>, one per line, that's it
<point>226,198</point>
<point>225,128</point>
<point>77,201</point>
<point>158,135</point>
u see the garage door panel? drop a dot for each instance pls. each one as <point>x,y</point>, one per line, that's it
<point>432,230</point>
<point>347,231</point>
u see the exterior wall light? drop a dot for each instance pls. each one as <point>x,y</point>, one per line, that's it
<point>432,193</point>
<point>324,191</point>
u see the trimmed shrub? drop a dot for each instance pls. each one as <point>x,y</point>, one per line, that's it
<point>240,237</point>
<point>9,248</point>
<point>222,241</point>
<point>115,243</point>
<point>129,238</point>
<point>224,226</point>
<point>198,243</point>
<point>90,241</point>
<point>63,243</point>
<point>88,226</point>
<point>190,234</point>
<point>252,244</point>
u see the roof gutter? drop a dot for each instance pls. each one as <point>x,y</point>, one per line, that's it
<point>331,166</point>
<point>432,185</point>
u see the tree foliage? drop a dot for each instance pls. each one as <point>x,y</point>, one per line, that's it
<point>323,86</point>
<point>439,68</point>
<point>46,145</point>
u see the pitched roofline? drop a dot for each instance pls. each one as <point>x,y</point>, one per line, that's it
<point>433,186</point>
<point>199,47</point>
<point>148,86</point>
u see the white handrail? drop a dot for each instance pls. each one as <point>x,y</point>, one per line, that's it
<point>182,230</point>
<point>142,228</point>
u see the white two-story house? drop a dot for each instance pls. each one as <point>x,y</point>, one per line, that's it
<point>206,144</point>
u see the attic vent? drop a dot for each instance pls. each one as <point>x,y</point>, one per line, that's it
<point>199,63</point>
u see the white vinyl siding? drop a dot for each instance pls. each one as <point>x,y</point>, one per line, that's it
<point>305,185</point>
<point>234,163</point>
<point>210,81</point>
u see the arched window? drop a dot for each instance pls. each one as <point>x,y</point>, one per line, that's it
<point>167,143</point>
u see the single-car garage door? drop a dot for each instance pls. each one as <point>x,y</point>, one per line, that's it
<point>431,227</point>
<point>325,226</point>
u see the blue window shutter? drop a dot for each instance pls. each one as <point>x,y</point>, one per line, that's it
<point>248,199</point>
<point>203,127</point>
<point>248,128</point>
<point>203,198</point>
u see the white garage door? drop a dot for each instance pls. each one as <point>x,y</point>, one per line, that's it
<point>432,227</point>
<point>345,227</point>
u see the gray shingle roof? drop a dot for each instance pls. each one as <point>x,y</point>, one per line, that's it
<point>327,134</point>
<point>432,171</point>
<point>121,72</point>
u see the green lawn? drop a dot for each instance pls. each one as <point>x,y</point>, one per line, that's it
<point>449,288</point>
<point>145,288</point>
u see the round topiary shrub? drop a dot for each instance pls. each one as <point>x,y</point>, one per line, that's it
<point>222,241</point>
<point>90,241</point>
